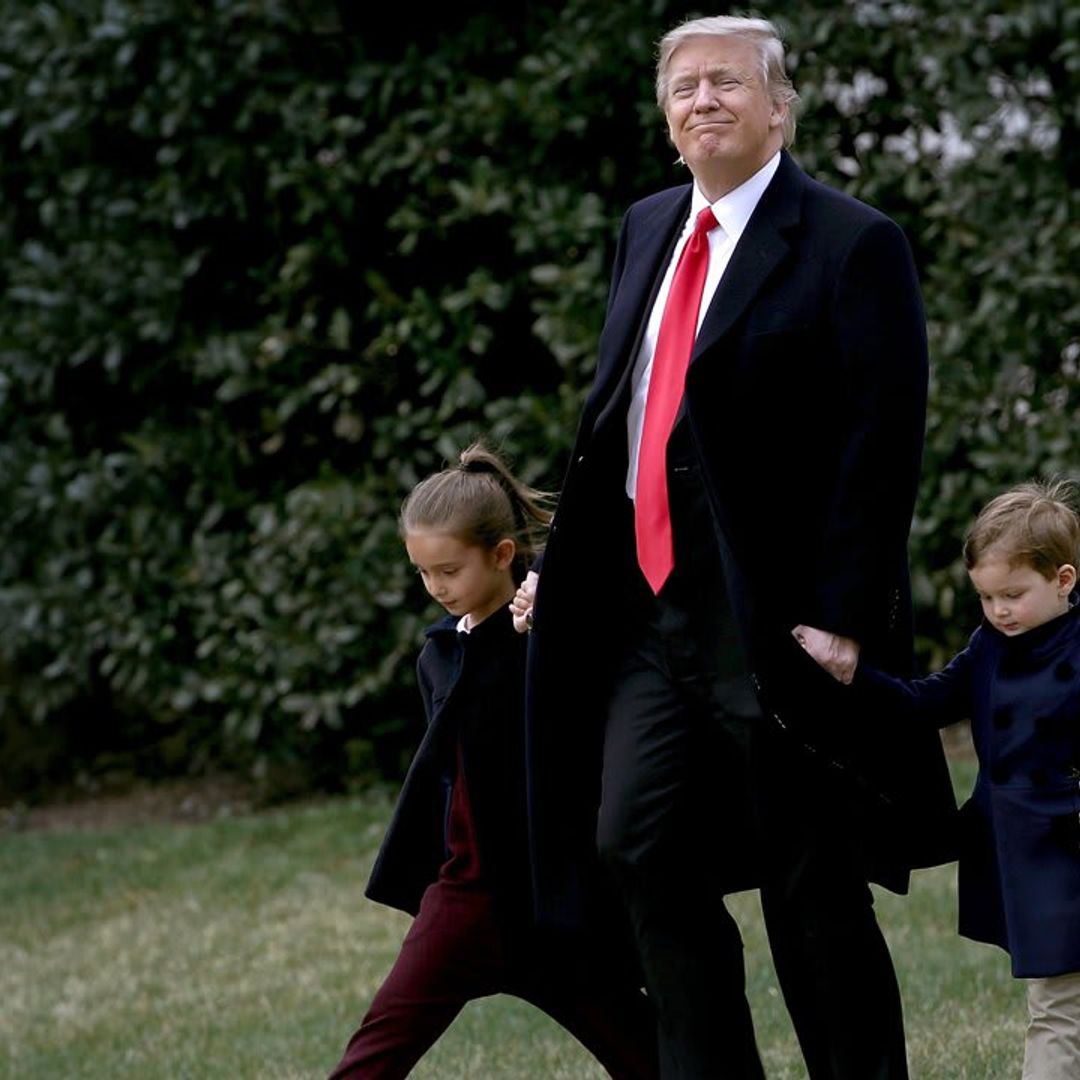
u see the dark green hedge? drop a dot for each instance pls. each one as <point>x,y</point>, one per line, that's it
<point>263,264</point>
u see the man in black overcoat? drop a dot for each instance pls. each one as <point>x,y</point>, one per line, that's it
<point>688,730</point>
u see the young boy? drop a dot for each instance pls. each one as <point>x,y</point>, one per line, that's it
<point>1018,681</point>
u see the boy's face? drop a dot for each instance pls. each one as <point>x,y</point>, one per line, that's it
<point>1016,598</point>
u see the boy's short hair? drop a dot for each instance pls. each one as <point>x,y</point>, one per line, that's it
<point>1033,524</point>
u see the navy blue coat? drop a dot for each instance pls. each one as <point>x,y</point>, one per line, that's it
<point>1020,854</point>
<point>805,400</point>
<point>472,687</point>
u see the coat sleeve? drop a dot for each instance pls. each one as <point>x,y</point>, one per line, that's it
<point>618,262</point>
<point>940,699</point>
<point>424,685</point>
<point>879,334</point>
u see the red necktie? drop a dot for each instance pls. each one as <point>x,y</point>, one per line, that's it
<point>674,344</point>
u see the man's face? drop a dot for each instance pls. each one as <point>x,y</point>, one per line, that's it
<point>719,112</point>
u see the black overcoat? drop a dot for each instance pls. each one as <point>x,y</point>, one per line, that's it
<point>1020,852</point>
<point>472,687</point>
<point>805,400</point>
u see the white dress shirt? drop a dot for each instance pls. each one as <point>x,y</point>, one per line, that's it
<point>732,212</point>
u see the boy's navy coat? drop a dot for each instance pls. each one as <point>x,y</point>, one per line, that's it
<point>1020,855</point>
<point>472,686</point>
<point>805,400</point>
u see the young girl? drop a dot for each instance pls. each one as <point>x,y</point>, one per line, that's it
<point>456,852</point>
<point>1018,681</point>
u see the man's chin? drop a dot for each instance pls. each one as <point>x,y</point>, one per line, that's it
<point>708,150</point>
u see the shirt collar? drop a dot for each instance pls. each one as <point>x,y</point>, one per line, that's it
<point>733,210</point>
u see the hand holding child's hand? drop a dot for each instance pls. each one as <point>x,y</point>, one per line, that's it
<point>837,655</point>
<point>522,604</point>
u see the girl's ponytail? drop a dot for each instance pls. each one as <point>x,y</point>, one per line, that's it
<point>481,501</point>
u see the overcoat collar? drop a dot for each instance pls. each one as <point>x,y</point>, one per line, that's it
<point>759,251</point>
<point>444,625</point>
<point>656,228</point>
<point>493,624</point>
<point>1041,639</point>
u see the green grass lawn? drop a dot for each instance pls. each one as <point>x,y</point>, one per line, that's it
<point>243,947</point>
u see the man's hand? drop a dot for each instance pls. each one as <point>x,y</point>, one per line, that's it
<point>522,604</point>
<point>837,655</point>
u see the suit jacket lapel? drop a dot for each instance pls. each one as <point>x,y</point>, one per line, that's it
<point>648,251</point>
<point>760,249</point>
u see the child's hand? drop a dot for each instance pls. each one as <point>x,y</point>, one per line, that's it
<point>837,655</point>
<point>522,604</point>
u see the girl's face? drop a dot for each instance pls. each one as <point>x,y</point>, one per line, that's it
<point>1016,598</point>
<point>467,579</point>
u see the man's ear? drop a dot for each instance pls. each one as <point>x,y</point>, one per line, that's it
<point>504,552</point>
<point>1066,579</point>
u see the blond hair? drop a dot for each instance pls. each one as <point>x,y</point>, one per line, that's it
<point>1034,524</point>
<point>760,33</point>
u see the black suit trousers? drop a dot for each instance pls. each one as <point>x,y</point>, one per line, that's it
<point>703,795</point>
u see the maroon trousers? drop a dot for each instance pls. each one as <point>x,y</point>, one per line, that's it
<point>458,950</point>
